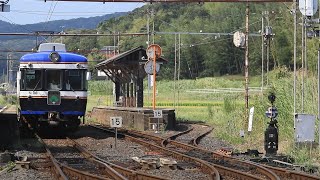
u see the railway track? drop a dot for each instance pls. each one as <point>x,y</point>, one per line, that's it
<point>79,165</point>
<point>66,157</point>
<point>109,170</point>
<point>227,167</point>
<point>203,165</point>
<point>283,173</point>
<point>226,172</point>
<point>128,173</point>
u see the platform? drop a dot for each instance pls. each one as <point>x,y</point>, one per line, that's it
<point>9,131</point>
<point>135,118</point>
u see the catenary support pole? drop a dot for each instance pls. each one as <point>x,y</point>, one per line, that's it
<point>262,51</point>
<point>319,93</point>
<point>246,68</point>
<point>294,61</point>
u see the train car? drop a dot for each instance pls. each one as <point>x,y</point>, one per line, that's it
<point>52,87</point>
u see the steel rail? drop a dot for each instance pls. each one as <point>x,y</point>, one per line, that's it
<point>205,167</point>
<point>173,137</point>
<point>291,174</point>
<point>196,140</point>
<point>130,174</point>
<point>65,172</point>
<point>57,170</point>
<point>110,171</point>
<point>77,174</point>
<point>216,156</point>
<point>279,171</point>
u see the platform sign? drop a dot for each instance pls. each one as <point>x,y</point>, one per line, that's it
<point>116,122</point>
<point>157,113</point>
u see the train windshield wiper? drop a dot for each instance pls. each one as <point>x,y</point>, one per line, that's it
<point>36,85</point>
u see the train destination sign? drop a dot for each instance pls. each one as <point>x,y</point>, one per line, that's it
<point>54,98</point>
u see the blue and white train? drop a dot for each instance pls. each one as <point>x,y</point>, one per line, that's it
<point>52,87</point>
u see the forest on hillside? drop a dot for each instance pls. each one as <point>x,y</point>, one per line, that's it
<point>203,55</point>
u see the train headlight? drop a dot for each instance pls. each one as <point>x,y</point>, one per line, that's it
<point>54,57</point>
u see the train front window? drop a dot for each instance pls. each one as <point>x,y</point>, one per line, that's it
<point>54,80</point>
<point>32,79</point>
<point>75,80</point>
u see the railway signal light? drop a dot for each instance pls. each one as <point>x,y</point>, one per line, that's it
<point>271,133</point>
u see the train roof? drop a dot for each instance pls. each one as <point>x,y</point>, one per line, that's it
<point>45,57</point>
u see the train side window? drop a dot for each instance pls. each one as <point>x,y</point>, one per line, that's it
<point>74,80</point>
<point>53,79</point>
<point>32,79</point>
<point>22,79</point>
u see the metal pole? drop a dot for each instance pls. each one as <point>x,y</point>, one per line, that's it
<point>319,93</point>
<point>158,126</point>
<point>7,79</point>
<point>268,49</point>
<point>148,43</point>
<point>294,61</point>
<point>153,32</point>
<point>118,43</point>
<point>262,52</point>
<point>179,66</point>
<point>305,60</point>
<point>302,65</point>
<point>115,141</point>
<point>148,26</point>
<point>247,65</point>
<point>175,71</point>
<point>154,80</point>
<point>10,73</point>
<point>114,44</point>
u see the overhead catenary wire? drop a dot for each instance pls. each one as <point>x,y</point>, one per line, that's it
<point>51,10</point>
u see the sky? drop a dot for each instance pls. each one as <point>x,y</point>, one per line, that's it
<point>35,11</point>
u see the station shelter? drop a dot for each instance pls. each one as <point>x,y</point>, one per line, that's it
<point>127,72</point>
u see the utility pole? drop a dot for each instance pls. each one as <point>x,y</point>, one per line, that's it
<point>262,51</point>
<point>179,67</point>
<point>175,71</point>
<point>268,47</point>
<point>8,67</point>
<point>246,66</point>
<point>62,32</point>
<point>294,11</point>
<point>148,43</point>
<point>118,43</point>
<point>302,63</point>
